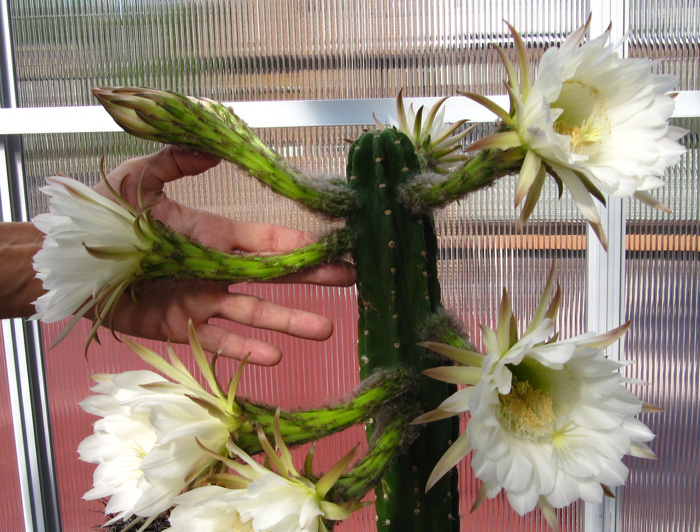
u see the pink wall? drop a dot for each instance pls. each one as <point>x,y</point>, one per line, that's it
<point>11,516</point>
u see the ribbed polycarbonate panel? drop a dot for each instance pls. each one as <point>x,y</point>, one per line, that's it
<point>663,302</point>
<point>273,50</point>
<point>293,49</point>
<point>667,31</point>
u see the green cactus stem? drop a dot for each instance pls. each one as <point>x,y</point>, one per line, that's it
<point>176,256</point>
<point>396,255</point>
<point>480,171</point>
<point>212,127</point>
<point>304,426</point>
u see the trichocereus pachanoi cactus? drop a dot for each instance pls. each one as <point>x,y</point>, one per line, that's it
<point>570,124</point>
<point>395,178</point>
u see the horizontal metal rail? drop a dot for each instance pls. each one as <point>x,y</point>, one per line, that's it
<point>275,114</point>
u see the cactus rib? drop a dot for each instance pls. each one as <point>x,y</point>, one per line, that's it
<point>395,256</point>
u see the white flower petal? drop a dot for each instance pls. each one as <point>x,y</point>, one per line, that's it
<point>140,475</point>
<point>81,217</point>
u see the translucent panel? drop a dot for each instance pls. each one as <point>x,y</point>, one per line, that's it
<point>669,31</point>
<point>663,301</point>
<point>10,495</point>
<point>278,49</point>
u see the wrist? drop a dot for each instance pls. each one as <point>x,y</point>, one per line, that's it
<point>19,288</point>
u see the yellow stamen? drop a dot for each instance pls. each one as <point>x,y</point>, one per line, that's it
<point>527,411</point>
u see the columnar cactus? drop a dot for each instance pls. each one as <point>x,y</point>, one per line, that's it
<point>395,255</point>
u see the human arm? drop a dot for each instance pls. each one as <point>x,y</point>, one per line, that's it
<point>162,308</point>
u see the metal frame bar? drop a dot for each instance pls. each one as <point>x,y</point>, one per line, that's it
<point>275,114</point>
<point>23,353</point>
<point>606,270</point>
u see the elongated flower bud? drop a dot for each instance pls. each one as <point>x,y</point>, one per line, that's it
<point>211,127</point>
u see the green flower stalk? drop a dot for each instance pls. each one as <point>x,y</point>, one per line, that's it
<point>245,419</point>
<point>429,191</point>
<point>211,127</point>
<point>96,249</point>
<point>375,393</point>
<point>386,444</point>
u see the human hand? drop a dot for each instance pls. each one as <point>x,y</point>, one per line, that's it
<point>162,308</point>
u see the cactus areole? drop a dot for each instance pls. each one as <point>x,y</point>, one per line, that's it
<point>395,255</point>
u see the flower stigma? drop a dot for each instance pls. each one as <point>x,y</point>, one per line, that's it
<point>527,411</point>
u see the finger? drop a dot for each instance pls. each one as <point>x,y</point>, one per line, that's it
<point>150,173</point>
<point>218,340</point>
<point>255,237</point>
<point>172,163</point>
<point>256,312</point>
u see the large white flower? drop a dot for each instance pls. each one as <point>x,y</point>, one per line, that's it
<point>95,249</point>
<point>278,498</point>
<point>550,420</point>
<point>148,443</point>
<point>594,120</point>
<point>91,253</point>
<point>210,509</point>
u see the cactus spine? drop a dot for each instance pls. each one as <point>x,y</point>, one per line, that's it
<point>395,255</point>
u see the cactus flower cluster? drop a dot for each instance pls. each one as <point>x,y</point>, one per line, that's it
<point>550,419</point>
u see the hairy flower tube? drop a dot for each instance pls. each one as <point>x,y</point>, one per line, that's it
<point>275,498</point>
<point>212,127</point>
<point>550,420</point>
<point>96,249</point>
<point>596,122</point>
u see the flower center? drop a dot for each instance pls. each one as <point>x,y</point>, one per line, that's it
<point>584,118</point>
<point>539,401</point>
<point>527,411</point>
